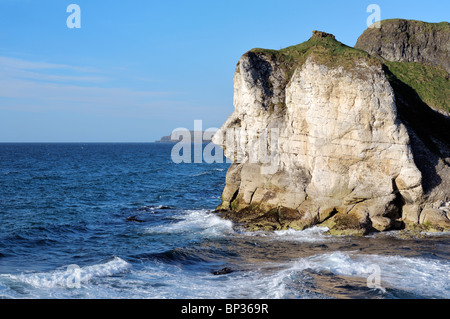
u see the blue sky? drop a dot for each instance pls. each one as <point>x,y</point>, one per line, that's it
<point>136,70</point>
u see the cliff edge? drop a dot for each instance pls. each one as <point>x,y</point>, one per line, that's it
<point>325,134</point>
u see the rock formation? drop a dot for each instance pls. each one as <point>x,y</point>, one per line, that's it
<point>409,41</point>
<point>327,134</point>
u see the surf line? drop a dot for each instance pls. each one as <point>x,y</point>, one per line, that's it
<point>193,309</point>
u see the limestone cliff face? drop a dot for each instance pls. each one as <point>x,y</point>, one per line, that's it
<point>316,138</point>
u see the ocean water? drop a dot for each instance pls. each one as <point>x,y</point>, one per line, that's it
<point>124,221</point>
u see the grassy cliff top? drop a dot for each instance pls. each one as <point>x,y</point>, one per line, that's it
<point>431,83</point>
<point>324,49</point>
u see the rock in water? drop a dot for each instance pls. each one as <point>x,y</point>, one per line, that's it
<point>317,138</point>
<point>134,219</point>
<point>223,271</point>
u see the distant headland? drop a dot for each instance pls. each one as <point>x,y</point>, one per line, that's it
<point>194,137</point>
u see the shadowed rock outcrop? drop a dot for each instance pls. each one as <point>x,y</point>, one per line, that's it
<point>409,41</point>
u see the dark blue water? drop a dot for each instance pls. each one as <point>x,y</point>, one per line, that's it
<point>125,221</point>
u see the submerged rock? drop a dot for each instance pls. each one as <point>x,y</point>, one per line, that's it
<point>223,271</point>
<point>134,219</point>
<point>326,134</point>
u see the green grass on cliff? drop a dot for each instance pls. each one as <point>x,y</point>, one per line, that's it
<point>325,50</point>
<point>430,82</point>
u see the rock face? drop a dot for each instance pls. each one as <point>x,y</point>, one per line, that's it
<point>409,41</point>
<point>316,138</point>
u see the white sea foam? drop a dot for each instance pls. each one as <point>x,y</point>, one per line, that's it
<point>71,276</point>
<point>265,281</point>
<point>208,172</point>
<point>202,222</point>
<point>116,278</point>
<point>309,235</point>
<point>424,277</point>
<point>312,234</point>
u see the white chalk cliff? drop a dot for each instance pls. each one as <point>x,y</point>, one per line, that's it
<point>316,138</point>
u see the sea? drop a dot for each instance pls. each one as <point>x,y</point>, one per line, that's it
<point>124,221</point>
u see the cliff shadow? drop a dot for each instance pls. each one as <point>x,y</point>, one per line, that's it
<point>260,73</point>
<point>428,129</point>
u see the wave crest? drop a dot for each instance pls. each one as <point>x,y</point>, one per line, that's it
<point>72,276</point>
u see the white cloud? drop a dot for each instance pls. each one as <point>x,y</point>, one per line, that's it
<point>35,86</point>
<point>15,63</point>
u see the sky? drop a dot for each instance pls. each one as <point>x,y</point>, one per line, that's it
<point>136,70</point>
